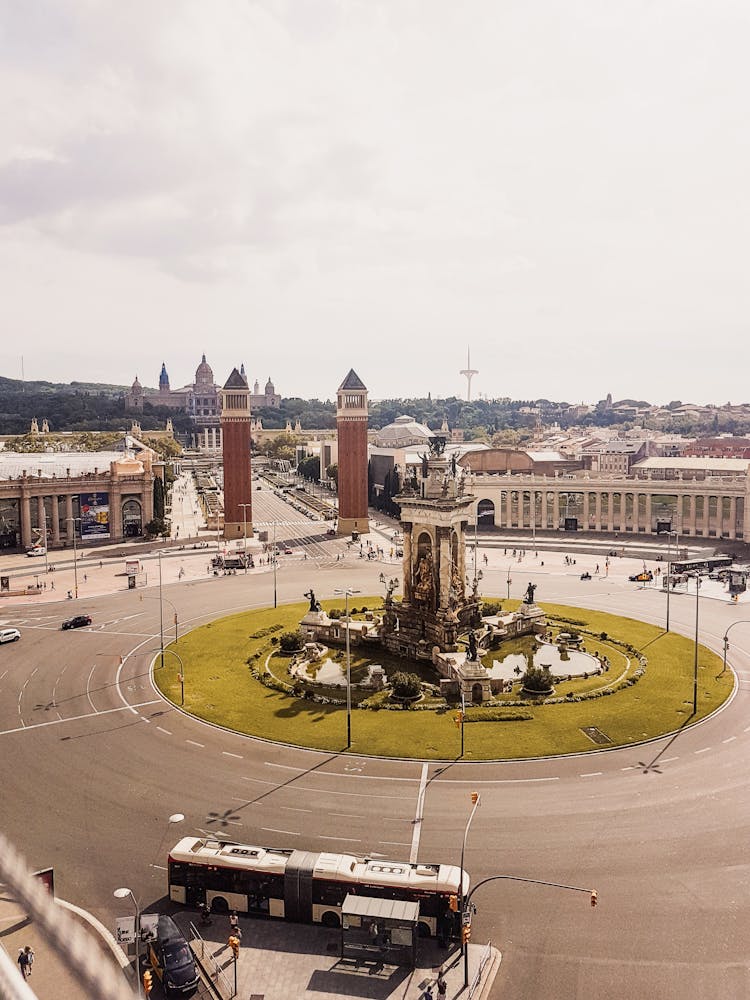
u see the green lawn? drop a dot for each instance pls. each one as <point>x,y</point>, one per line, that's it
<point>219,688</point>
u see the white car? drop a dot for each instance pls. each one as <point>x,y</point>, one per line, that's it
<point>9,635</point>
<point>37,550</point>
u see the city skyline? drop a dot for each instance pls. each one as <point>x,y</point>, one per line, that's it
<point>561,190</point>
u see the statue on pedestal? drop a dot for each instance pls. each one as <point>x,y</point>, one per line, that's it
<point>314,604</point>
<point>530,591</point>
<point>425,585</point>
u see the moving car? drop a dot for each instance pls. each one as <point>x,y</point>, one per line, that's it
<point>36,550</point>
<point>79,621</point>
<point>9,635</point>
<point>645,577</point>
<point>172,960</point>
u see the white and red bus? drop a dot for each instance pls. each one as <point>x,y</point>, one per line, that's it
<point>307,886</point>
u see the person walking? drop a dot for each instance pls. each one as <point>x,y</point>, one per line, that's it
<point>29,953</point>
<point>23,963</point>
<point>234,925</point>
<point>442,986</point>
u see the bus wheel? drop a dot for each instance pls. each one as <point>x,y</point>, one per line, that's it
<point>330,919</point>
<point>423,930</point>
<point>219,905</point>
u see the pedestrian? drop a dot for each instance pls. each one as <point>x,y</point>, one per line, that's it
<point>234,925</point>
<point>428,994</point>
<point>442,986</point>
<point>100,564</point>
<point>29,953</point>
<point>52,585</point>
<point>23,963</point>
<point>85,578</point>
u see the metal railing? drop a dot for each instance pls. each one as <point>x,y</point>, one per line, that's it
<point>211,968</point>
<point>478,974</point>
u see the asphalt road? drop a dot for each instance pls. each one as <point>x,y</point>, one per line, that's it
<point>93,762</point>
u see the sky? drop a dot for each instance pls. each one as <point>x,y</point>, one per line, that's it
<point>307,186</point>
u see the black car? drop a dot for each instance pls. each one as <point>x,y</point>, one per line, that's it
<point>172,960</point>
<point>80,621</point>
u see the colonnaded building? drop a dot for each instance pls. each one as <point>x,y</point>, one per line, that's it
<point>105,495</point>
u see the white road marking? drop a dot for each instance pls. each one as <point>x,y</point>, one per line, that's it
<point>287,833</point>
<point>418,816</point>
<point>704,750</point>
<point>194,744</point>
<point>394,843</point>
<point>226,753</point>
<point>346,815</point>
<point>729,739</point>
<point>296,809</point>
<point>591,774</point>
<point>284,767</point>
<point>88,688</point>
<point>668,760</point>
<point>78,718</point>
<point>345,840</point>
<point>160,867</point>
<point>165,731</point>
<point>630,767</point>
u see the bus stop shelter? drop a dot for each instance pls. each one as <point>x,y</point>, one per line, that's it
<point>379,930</point>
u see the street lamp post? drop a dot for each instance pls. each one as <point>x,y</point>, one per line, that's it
<point>273,558</point>
<point>75,554</point>
<point>244,533</point>
<point>161,612</point>
<point>123,893</point>
<point>476,798</point>
<point>669,565</point>
<point>695,660</point>
<point>347,593</point>
<point>742,621</point>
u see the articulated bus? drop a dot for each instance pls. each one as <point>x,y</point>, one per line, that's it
<point>703,566</point>
<point>307,886</point>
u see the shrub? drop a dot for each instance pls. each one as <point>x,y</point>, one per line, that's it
<point>491,608</point>
<point>291,642</point>
<point>406,685</point>
<point>335,613</point>
<point>498,716</point>
<point>538,679</point>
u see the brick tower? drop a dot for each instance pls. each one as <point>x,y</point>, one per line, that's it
<point>235,447</point>
<point>351,429</point>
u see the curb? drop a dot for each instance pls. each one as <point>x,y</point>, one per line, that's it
<point>97,927</point>
<point>489,976</point>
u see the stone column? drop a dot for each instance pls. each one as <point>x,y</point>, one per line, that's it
<point>41,514</point>
<point>636,512</point>
<point>598,511</point>
<point>648,526</point>
<point>25,519</point>
<point>70,525</point>
<point>586,509</point>
<point>610,511</point>
<point>55,521</point>
<point>115,512</point>
<point>407,566</point>
<point>556,510</point>
<point>706,515</point>
<point>508,508</point>
<point>692,521</point>
<point>733,517</point>
<point>444,576</point>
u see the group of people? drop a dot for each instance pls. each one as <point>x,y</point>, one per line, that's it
<point>442,988</point>
<point>25,960</point>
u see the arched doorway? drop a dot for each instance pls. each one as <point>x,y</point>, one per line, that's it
<point>132,519</point>
<point>476,694</point>
<point>486,514</point>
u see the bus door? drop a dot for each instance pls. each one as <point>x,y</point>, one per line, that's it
<point>298,879</point>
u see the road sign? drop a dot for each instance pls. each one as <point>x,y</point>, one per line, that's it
<point>125,930</point>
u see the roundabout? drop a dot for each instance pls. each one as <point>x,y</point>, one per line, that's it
<point>233,673</point>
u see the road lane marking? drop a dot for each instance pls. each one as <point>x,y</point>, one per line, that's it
<point>394,843</point>
<point>160,867</point>
<point>668,760</point>
<point>226,753</point>
<point>165,731</point>
<point>284,767</point>
<point>630,767</point>
<point>296,809</point>
<point>418,816</point>
<point>345,840</point>
<point>78,718</point>
<point>88,688</point>
<point>591,774</point>
<point>346,815</point>
<point>287,833</point>
<point>258,781</point>
<point>194,744</point>
<point>704,750</point>
<point>729,739</point>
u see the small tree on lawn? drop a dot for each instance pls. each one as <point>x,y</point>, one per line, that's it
<point>406,685</point>
<point>291,642</point>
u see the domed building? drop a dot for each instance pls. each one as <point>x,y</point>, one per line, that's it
<point>134,397</point>
<point>268,398</point>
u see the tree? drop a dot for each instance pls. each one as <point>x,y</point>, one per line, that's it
<point>332,471</point>
<point>406,685</point>
<point>310,468</point>
<point>159,506</point>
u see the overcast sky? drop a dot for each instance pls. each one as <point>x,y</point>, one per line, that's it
<point>313,185</point>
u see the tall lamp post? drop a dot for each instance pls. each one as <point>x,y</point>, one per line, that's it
<point>244,533</point>
<point>695,660</point>
<point>476,798</point>
<point>669,565</point>
<point>75,554</point>
<point>346,593</point>
<point>123,893</point>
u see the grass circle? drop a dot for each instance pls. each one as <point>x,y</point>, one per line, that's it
<point>221,658</point>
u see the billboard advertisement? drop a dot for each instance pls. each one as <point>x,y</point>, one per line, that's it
<point>94,515</point>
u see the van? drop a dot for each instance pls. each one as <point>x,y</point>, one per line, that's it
<point>172,960</point>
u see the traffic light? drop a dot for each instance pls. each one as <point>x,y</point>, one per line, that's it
<point>453,903</point>
<point>465,933</point>
<point>474,798</point>
<point>594,897</point>
<point>148,982</point>
<point>234,944</point>
<point>459,719</point>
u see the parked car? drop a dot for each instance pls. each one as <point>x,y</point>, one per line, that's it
<point>79,621</point>
<point>172,960</point>
<point>287,551</point>
<point>645,577</point>
<point>36,550</point>
<point>330,531</point>
<point>9,635</point>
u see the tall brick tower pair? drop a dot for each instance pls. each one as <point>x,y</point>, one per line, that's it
<point>235,447</point>
<point>351,429</point>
